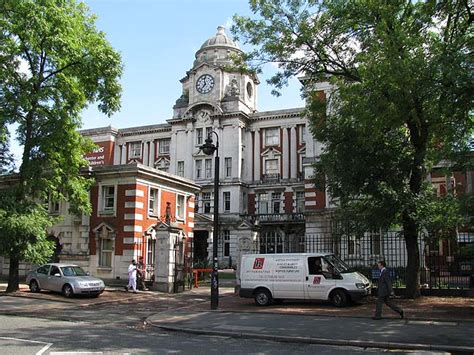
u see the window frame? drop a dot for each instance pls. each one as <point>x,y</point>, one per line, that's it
<point>276,169</point>
<point>199,136</point>
<point>273,139</point>
<point>106,252</point>
<point>198,169</point>
<point>161,151</point>
<point>226,239</point>
<point>103,197</point>
<point>180,168</point>
<point>206,202</point>
<point>132,150</point>
<point>228,167</point>
<point>208,168</point>
<point>261,202</point>
<point>180,207</point>
<point>156,210</point>
<point>226,202</point>
<point>299,201</point>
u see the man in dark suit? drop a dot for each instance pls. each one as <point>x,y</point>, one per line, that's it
<point>384,292</point>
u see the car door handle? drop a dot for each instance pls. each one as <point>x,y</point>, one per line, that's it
<point>307,278</point>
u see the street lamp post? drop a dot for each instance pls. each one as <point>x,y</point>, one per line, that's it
<point>209,148</point>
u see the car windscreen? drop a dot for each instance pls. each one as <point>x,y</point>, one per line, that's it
<point>73,271</point>
<point>340,265</point>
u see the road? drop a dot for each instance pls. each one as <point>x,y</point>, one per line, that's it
<point>50,327</point>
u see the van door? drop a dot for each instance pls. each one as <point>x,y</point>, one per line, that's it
<point>288,277</point>
<point>319,280</point>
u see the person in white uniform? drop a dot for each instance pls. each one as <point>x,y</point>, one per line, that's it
<point>132,277</point>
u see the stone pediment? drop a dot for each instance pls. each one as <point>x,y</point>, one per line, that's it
<point>271,152</point>
<point>103,225</point>
<point>245,225</point>
<point>202,218</point>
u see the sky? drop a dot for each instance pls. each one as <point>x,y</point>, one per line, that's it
<point>157,40</point>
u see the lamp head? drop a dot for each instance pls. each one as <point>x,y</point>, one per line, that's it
<point>208,147</point>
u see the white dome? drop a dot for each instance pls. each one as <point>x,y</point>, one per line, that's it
<point>219,40</point>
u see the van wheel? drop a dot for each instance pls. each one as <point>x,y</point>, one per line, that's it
<point>263,297</point>
<point>339,298</point>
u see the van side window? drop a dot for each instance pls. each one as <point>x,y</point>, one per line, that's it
<point>314,265</point>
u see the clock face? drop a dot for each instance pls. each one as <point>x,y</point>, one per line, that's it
<point>205,84</point>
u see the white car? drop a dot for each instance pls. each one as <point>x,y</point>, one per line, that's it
<point>65,278</point>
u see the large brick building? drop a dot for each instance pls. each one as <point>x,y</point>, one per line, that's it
<point>265,158</point>
<point>268,201</point>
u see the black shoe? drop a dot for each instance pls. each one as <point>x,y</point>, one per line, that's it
<point>376,318</point>
<point>402,315</point>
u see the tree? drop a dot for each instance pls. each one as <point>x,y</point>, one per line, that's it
<point>401,73</point>
<point>53,63</point>
<point>7,164</point>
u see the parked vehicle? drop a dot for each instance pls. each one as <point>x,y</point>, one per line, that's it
<point>66,278</point>
<point>315,276</point>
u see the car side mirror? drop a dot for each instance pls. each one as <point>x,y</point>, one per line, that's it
<point>57,275</point>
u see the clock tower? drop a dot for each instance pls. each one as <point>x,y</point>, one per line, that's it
<point>212,86</point>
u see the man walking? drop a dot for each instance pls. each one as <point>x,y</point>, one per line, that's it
<point>132,277</point>
<point>141,274</point>
<point>384,292</point>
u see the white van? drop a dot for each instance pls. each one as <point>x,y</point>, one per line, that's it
<point>311,276</point>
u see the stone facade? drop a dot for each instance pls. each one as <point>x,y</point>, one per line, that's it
<point>265,157</point>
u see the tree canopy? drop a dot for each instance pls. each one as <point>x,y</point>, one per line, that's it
<point>53,63</point>
<point>400,102</point>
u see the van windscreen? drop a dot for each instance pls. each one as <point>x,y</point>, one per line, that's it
<point>340,265</point>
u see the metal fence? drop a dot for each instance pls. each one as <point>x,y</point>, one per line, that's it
<point>444,264</point>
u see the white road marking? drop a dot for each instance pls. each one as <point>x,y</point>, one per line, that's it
<point>43,349</point>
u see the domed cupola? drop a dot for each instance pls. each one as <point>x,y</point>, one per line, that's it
<point>216,49</point>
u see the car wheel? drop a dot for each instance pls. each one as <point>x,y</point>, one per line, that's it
<point>339,298</point>
<point>34,287</point>
<point>67,290</point>
<point>263,297</point>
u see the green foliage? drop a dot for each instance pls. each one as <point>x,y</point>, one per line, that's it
<point>23,229</point>
<point>401,101</point>
<point>7,164</point>
<point>53,63</point>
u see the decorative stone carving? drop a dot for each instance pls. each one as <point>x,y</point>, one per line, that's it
<point>232,89</point>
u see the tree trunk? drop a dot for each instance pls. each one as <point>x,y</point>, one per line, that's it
<point>13,275</point>
<point>413,258</point>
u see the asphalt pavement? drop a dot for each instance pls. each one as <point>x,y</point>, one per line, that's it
<point>186,316</point>
<point>344,331</point>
